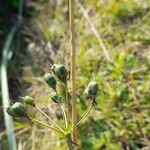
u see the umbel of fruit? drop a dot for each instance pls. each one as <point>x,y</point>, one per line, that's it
<point>60,71</point>
<point>55,97</point>
<point>50,80</point>
<point>17,109</point>
<point>91,91</point>
<point>28,100</point>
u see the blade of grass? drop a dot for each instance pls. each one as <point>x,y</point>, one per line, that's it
<point>4,79</point>
<point>93,28</point>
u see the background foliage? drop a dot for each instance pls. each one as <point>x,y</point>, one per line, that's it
<point>121,118</point>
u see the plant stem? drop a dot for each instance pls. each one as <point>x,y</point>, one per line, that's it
<point>69,142</point>
<point>85,113</point>
<point>44,124</point>
<point>64,115</point>
<point>50,119</point>
<point>73,68</point>
<point>67,101</point>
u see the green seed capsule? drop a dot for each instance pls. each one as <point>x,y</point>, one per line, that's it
<point>60,71</point>
<point>50,80</point>
<point>93,87</point>
<point>91,90</point>
<point>28,100</point>
<point>56,98</point>
<point>10,112</point>
<point>19,109</point>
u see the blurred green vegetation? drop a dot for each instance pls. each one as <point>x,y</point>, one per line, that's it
<point>121,120</point>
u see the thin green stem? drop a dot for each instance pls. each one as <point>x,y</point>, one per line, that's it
<point>64,115</point>
<point>67,101</point>
<point>44,124</point>
<point>85,113</point>
<point>51,120</point>
<point>69,142</point>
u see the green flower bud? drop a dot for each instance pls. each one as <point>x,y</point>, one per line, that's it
<point>91,90</point>
<point>50,80</point>
<point>28,100</point>
<point>18,109</point>
<point>56,98</point>
<point>60,71</point>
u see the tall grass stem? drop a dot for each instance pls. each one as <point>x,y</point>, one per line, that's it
<point>4,78</point>
<point>73,68</point>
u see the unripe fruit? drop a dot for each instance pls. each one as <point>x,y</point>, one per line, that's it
<point>91,90</point>
<point>28,100</point>
<point>56,98</point>
<point>10,112</point>
<point>50,80</point>
<point>60,71</point>
<point>19,109</point>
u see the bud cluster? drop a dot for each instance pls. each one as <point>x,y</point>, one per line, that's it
<point>59,72</point>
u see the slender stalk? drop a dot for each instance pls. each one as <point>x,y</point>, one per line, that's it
<point>69,142</point>
<point>70,145</point>
<point>73,68</point>
<point>44,124</point>
<point>64,115</point>
<point>50,119</point>
<point>67,101</point>
<point>64,112</point>
<point>85,113</point>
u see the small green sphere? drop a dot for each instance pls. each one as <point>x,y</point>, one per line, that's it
<point>56,98</point>
<point>60,71</point>
<point>91,90</point>
<point>10,112</point>
<point>19,109</point>
<point>28,100</point>
<point>50,80</point>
